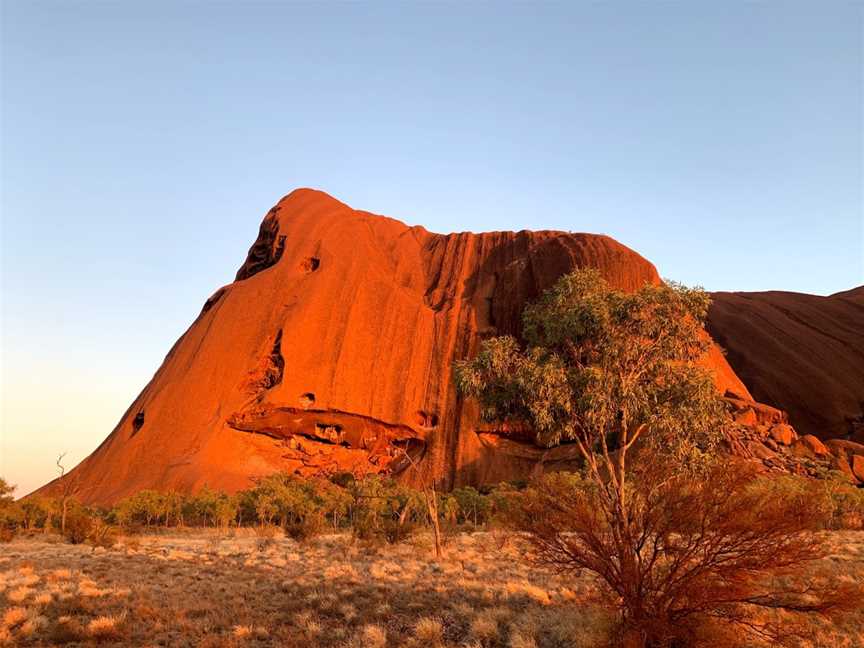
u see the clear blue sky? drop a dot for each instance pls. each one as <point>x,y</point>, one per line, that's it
<point>142,142</point>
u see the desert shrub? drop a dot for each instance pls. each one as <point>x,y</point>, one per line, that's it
<point>384,510</point>
<point>302,506</point>
<point>67,630</point>
<point>267,531</point>
<point>448,509</point>
<point>840,503</point>
<point>342,479</point>
<point>335,502</point>
<point>79,524</point>
<point>37,512</point>
<point>149,508</point>
<point>846,504</point>
<point>704,553</point>
<point>266,535</point>
<point>225,509</point>
<point>474,507</point>
<point>11,515</point>
<point>503,499</point>
<point>305,528</point>
<point>146,507</point>
<point>101,534</point>
<point>203,507</point>
<point>246,513</point>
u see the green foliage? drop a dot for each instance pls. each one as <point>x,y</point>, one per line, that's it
<point>841,503</point>
<point>290,501</point>
<point>137,509</point>
<point>601,366</point>
<point>474,508</point>
<point>373,507</point>
<point>6,490</point>
<point>384,510</point>
<point>847,505</point>
<point>335,502</point>
<point>37,512</point>
<point>11,515</point>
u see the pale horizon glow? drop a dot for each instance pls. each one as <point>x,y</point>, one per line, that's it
<point>142,143</point>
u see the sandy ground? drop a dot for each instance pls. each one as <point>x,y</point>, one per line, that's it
<point>211,589</point>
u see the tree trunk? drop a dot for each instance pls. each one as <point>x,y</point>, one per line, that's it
<point>63,516</point>
<point>432,505</point>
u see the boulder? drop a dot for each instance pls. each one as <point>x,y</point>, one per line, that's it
<point>809,446</point>
<point>746,417</point>
<point>842,465</point>
<point>764,414</point>
<point>845,448</point>
<point>858,467</point>
<point>783,434</point>
<point>760,451</point>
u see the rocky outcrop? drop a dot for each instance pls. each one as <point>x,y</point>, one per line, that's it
<point>801,353</point>
<point>332,351</point>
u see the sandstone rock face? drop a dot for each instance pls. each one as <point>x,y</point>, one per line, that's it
<point>858,467</point>
<point>848,457</point>
<point>845,448</point>
<point>332,351</point>
<point>801,353</point>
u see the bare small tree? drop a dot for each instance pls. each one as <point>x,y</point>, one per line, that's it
<point>706,556</point>
<point>68,487</point>
<point>430,497</point>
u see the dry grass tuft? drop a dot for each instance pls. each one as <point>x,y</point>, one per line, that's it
<point>519,640</point>
<point>372,636</point>
<point>484,627</point>
<point>33,625</point>
<point>106,627</point>
<point>14,616</point>
<point>308,623</point>
<point>66,630</point>
<point>429,629</point>
<point>89,589</point>
<point>19,594</point>
<point>43,599</point>
<point>517,589</point>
